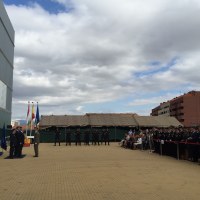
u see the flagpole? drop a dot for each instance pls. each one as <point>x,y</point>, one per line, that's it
<point>31,119</point>
<point>27,122</point>
<point>31,128</point>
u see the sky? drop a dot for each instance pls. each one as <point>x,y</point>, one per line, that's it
<point>103,56</point>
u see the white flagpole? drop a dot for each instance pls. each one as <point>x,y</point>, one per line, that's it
<point>28,113</point>
<point>31,118</point>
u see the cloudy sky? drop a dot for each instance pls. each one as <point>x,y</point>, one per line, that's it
<point>78,56</point>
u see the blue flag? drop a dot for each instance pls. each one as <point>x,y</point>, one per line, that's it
<point>3,138</point>
<point>37,118</point>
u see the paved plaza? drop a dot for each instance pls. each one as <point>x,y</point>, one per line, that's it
<point>97,172</point>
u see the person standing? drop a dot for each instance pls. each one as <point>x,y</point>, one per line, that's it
<point>97,136</point>
<point>36,142</point>
<point>107,137</point>
<point>19,142</point>
<point>68,137</point>
<point>87,136</point>
<point>57,136</point>
<point>13,143</point>
<point>78,136</point>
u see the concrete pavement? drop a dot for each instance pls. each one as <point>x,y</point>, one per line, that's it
<point>95,173</point>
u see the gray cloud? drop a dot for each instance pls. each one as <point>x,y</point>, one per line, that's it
<point>94,52</point>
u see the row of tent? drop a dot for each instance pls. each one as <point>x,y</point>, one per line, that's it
<point>108,120</point>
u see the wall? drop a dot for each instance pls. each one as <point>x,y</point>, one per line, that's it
<point>6,64</point>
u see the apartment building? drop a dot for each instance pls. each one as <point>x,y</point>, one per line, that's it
<point>186,108</point>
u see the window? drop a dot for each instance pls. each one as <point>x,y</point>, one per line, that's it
<point>3,94</point>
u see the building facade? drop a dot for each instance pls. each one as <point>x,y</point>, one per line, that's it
<point>6,66</point>
<point>154,111</point>
<point>186,108</point>
<point>164,109</point>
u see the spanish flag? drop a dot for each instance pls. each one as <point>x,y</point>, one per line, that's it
<point>33,112</point>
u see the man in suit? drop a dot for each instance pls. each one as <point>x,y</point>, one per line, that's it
<point>13,143</point>
<point>36,142</point>
<point>19,142</point>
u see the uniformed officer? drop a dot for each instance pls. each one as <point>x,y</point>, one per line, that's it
<point>107,137</point>
<point>57,136</point>
<point>97,136</point>
<point>87,136</point>
<point>103,135</point>
<point>68,137</point>
<point>78,136</point>
<point>36,142</point>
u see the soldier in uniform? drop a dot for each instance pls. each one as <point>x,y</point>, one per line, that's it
<point>78,136</point>
<point>97,136</point>
<point>68,137</point>
<point>36,142</point>
<point>107,137</point>
<point>87,137</point>
<point>13,142</point>
<point>103,135</point>
<point>93,137</point>
<point>57,136</point>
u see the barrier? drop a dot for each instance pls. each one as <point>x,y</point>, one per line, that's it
<point>187,146</point>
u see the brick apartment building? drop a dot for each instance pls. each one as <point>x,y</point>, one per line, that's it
<point>186,108</point>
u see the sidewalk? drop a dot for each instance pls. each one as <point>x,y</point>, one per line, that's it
<point>97,172</point>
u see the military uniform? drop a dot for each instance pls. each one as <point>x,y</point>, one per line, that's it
<point>68,137</point>
<point>57,136</point>
<point>107,137</point>
<point>87,137</point>
<point>36,142</point>
<point>78,137</point>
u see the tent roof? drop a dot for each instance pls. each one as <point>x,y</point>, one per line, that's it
<point>63,120</point>
<point>157,121</point>
<point>111,119</point>
<point>108,119</point>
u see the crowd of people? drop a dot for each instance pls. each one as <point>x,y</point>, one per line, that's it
<point>177,142</point>
<point>137,139</point>
<point>93,136</point>
<point>17,138</point>
<point>165,141</point>
<point>16,142</point>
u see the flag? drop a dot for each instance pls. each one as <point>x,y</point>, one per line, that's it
<point>32,116</point>
<point>33,112</point>
<point>3,138</point>
<point>28,117</point>
<point>37,119</point>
